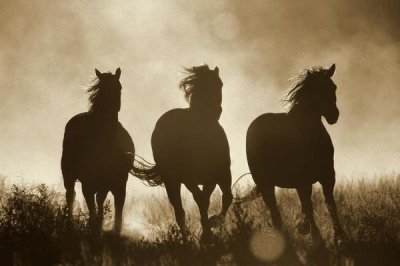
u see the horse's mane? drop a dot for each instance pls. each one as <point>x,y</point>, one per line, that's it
<point>304,85</point>
<point>93,92</point>
<point>195,79</point>
<point>95,95</point>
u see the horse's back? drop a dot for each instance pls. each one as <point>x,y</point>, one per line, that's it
<point>184,146</point>
<point>75,125</point>
<point>91,153</point>
<point>264,129</point>
<point>286,151</point>
<point>168,132</point>
<point>72,143</point>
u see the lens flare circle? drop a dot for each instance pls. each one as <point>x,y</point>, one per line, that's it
<point>267,246</point>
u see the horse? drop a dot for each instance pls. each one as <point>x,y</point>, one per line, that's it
<point>98,151</point>
<point>190,147</point>
<point>294,149</point>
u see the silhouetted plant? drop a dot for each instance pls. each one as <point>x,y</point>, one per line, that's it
<point>35,229</point>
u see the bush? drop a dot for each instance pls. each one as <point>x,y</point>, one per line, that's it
<point>34,226</point>
<point>35,230</point>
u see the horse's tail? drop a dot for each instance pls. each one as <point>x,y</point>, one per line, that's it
<point>146,172</point>
<point>251,195</point>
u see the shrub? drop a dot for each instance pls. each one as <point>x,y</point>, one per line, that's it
<point>35,230</point>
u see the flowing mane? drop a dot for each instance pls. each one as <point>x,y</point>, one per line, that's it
<point>105,92</point>
<point>199,83</point>
<point>305,85</point>
<point>94,93</point>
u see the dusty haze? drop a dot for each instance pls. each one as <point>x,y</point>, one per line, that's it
<point>49,50</point>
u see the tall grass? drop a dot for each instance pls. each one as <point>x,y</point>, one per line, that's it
<point>35,230</point>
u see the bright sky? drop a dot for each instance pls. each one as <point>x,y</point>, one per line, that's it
<point>49,50</point>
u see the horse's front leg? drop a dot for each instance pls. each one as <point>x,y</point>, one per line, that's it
<point>88,194</point>
<point>173,188</point>
<point>327,187</point>
<point>69,184</point>
<point>119,201</point>
<point>268,194</point>
<point>307,221</point>
<point>100,198</point>
<point>227,197</point>
<point>207,191</point>
<point>202,199</point>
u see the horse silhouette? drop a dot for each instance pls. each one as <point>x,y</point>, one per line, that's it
<point>98,151</point>
<point>294,149</point>
<point>190,147</point>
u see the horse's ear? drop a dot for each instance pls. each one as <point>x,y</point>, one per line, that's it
<point>98,73</point>
<point>216,70</point>
<point>331,70</point>
<point>118,73</point>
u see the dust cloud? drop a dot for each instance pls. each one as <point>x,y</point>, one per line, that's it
<point>49,50</point>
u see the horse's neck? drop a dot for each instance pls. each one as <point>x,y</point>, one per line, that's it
<point>106,119</point>
<point>206,115</point>
<point>307,128</point>
<point>305,117</point>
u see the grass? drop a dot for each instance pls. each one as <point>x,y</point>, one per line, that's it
<point>34,230</point>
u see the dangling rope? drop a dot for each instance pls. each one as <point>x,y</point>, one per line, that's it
<point>147,172</point>
<point>252,195</point>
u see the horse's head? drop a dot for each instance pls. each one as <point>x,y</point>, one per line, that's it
<point>327,96</point>
<point>315,91</point>
<point>203,90</point>
<point>105,93</point>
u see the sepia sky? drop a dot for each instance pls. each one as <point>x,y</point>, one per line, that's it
<point>49,49</point>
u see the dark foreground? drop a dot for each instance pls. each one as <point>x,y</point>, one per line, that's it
<point>34,230</point>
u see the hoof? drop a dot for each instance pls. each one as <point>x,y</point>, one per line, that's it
<point>316,236</point>
<point>216,220</point>
<point>303,227</point>
<point>340,240</point>
<point>184,236</point>
<point>207,237</point>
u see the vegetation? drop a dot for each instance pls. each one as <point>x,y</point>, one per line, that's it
<point>35,230</point>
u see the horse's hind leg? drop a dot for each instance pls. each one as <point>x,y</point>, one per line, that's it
<point>268,195</point>
<point>304,193</point>
<point>174,195</point>
<point>100,198</point>
<point>69,184</point>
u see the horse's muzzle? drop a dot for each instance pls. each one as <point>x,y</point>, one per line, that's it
<point>332,116</point>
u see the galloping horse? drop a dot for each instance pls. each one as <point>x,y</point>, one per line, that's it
<point>294,150</point>
<point>98,151</point>
<point>190,147</point>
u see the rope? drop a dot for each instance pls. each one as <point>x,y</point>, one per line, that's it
<point>142,164</point>
<point>253,194</point>
<point>237,180</point>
